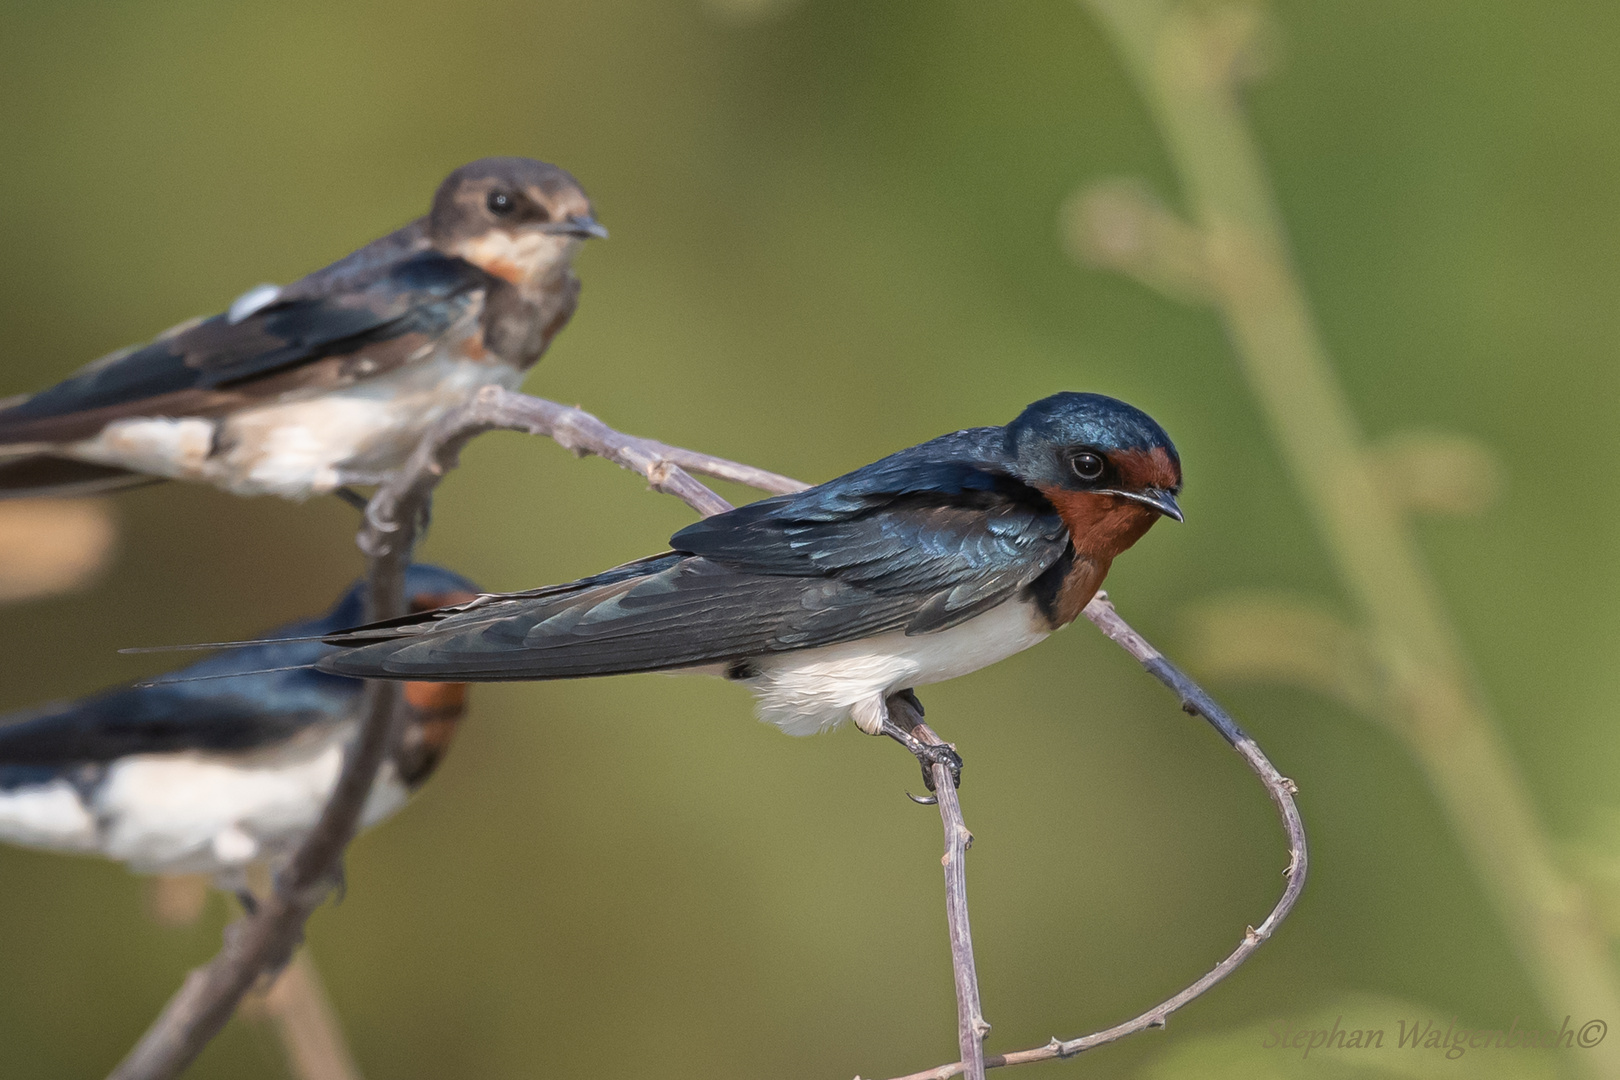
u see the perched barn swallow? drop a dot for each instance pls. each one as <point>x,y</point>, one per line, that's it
<point>929,564</point>
<point>331,380</point>
<point>216,773</point>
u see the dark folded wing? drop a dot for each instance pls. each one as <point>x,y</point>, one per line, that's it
<point>964,468</point>
<point>944,523</point>
<point>918,566</point>
<point>212,365</point>
<point>239,701</point>
<point>125,722</point>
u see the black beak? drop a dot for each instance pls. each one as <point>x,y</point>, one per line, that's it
<point>1159,499</point>
<point>581,225</point>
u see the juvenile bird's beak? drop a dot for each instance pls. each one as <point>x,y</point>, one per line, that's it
<point>1157,498</point>
<point>581,225</point>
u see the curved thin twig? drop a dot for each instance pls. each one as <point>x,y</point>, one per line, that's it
<point>1281,789</point>
<point>264,942</point>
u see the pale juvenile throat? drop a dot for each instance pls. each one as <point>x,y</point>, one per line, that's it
<point>528,259</point>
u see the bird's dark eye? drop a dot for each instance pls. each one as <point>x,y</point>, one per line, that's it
<point>1086,465</point>
<point>500,203</point>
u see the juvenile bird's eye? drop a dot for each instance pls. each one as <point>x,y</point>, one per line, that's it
<point>1086,465</point>
<point>500,203</point>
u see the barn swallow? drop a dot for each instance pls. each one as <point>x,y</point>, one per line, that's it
<point>329,381</point>
<point>228,769</point>
<point>929,564</point>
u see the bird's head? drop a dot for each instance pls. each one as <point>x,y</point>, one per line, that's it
<point>1108,468</point>
<point>516,218</point>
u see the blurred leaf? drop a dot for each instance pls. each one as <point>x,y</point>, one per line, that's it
<point>1594,858</point>
<point>1438,473</point>
<point>1280,638</point>
<point>50,546</point>
<point>749,12</point>
<point>1121,225</point>
<point>1267,1050</point>
<point>1232,43</point>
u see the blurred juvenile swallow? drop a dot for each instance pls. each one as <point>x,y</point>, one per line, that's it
<point>214,774</point>
<point>331,380</point>
<point>929,564</point>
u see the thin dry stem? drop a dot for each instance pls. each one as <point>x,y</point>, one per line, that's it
<point>264,942</point>
<point>971,1026</point>
<point>1438,708</point>
<point>306,1024</point>
<point>1281,789</point>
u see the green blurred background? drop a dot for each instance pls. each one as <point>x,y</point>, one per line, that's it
<point>835,233</point>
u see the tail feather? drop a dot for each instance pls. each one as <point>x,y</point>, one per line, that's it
<point>37,475</point>
<point>210,646</point>
<point>183,678</point>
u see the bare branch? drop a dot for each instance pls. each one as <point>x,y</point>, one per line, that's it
<point>264,942</point>
<point>1281,789</point>
<point>667,468</point>
<point>971,1026</point>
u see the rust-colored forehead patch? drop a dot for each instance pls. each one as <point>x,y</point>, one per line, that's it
<point>1153,468</point>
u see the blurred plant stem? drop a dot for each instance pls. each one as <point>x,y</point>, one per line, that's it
<point>306,1024</point>
<point>1188,61</point>
<point>295,1006</point>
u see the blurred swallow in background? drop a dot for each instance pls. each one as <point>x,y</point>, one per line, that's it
<point>929,564</point>
<point>329,381</point>
<point>217,773</point>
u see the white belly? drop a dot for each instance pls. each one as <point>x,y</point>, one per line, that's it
<point>813,690</point>
<point>301,444</point>
<point>192,813</point>
<point>49,815</point>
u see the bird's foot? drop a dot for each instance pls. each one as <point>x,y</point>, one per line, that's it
<point>928,755</point>
<point>352,497</point>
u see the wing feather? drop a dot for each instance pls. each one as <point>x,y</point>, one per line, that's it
<point>211,365</point>
<point>922,547</point>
